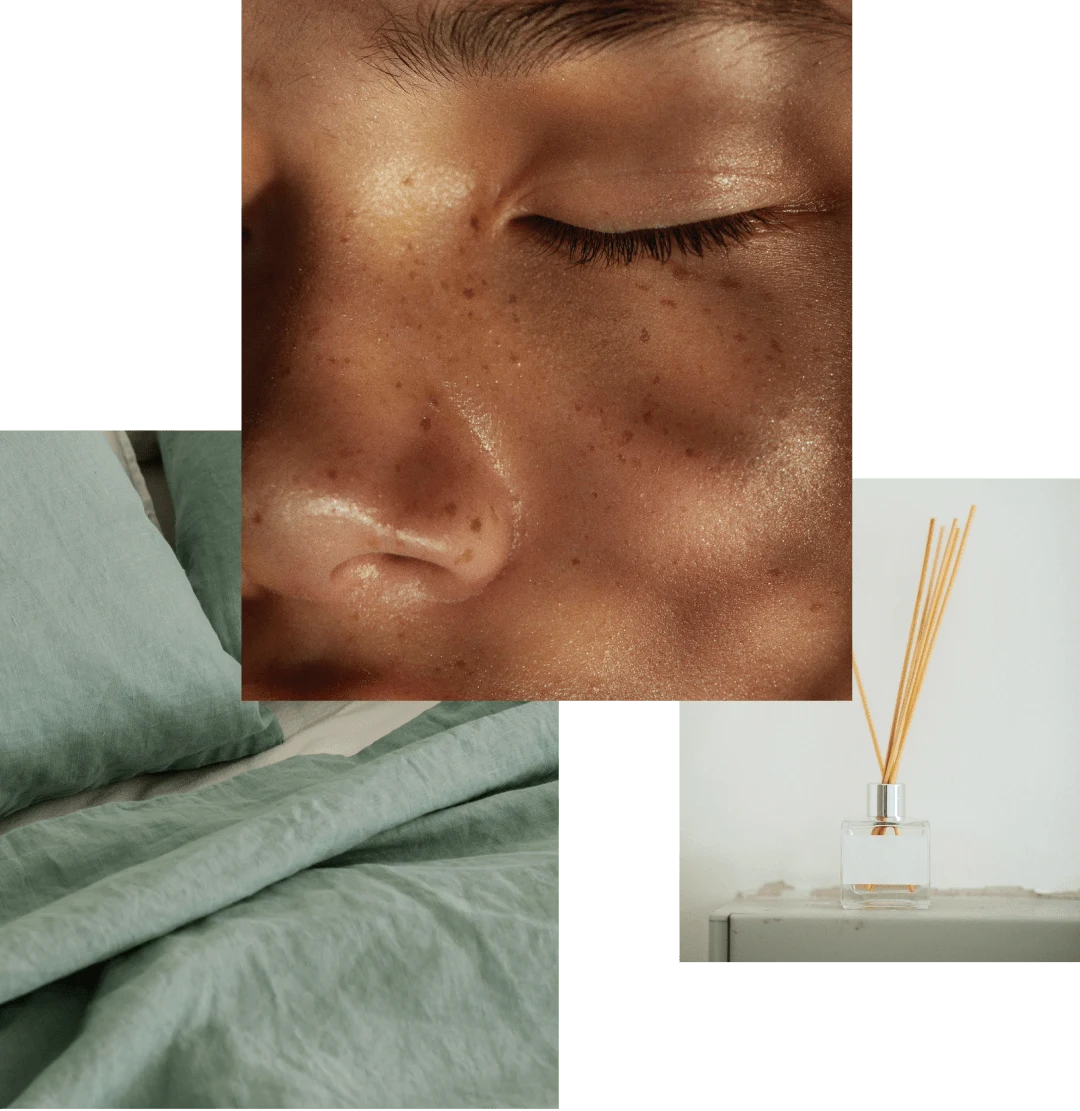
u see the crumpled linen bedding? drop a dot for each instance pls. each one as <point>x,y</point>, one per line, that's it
<point>339,728</point>
<point>378,930</point>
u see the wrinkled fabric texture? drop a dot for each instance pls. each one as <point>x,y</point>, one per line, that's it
<point>108,665</point>
<point>379,930</point>
<point>203,473</point>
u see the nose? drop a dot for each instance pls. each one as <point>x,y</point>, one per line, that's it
<point>409,511</point>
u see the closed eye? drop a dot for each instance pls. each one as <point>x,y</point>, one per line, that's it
<point>582,246</point>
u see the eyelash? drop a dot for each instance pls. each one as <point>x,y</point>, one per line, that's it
<point>584,246</point>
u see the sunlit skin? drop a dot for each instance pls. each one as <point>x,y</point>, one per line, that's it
<point>474,469</point>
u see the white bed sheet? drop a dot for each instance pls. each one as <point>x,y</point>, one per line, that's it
<point>337,728</point>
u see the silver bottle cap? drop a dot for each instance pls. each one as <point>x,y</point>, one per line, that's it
<point>885,801</point>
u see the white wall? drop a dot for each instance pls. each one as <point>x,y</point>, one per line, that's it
<point>993,756</point>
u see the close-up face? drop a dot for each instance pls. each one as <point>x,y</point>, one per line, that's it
<point>547,379</point>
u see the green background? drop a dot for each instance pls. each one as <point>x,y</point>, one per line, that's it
<point>120,304</point>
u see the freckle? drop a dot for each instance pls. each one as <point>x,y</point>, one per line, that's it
<point>469,314</point>
<point>592,447</point>
<point>412,275</point>
<point>459,663</point>
<point>774,571</point>
<point>645,288</point>
<point>595,494</point>
<point>621,457</point>
<point>465,557</point>
<point>514,317</point>
<point>514,358</point>
<point>425,424</point>
<point>730,283</point>
<point>575,561</point>
<point>467,293</point>
<point>577,408</point>
<point>668,301</point>
<point>450,508</point>
<point>474,223</point>
<point>406,181</point>
<point>775,345</point>
<point>343,239</point>
<point>815,607</point>
<point>689,451</point>
<point>285,372</point>
<point>679,273</point>
<point>512,299</point>
<point>332,473</point>
<point>433,400</point>
<point>475,524</point>
<point>257,518</point>
<point>647,416</point>
<point>635,462</point>
<point>644,335</point>
<point>397,468</point>
<point>656,380</point>
<point>627,436</point>
<point>397,385</point>
<point>739,337</point>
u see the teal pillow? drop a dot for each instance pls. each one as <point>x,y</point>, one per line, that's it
<point>108,665</point>
<point>203,473</point>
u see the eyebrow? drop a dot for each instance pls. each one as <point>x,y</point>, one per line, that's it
<point>451,39</point>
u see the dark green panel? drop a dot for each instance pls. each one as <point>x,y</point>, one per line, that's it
<point>966,157</point>
<point>120,294</point>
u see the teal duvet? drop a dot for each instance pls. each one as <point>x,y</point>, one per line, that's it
<point>369,931</point>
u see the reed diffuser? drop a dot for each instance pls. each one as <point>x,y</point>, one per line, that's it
<point>885,858</point>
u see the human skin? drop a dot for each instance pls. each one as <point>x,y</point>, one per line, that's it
<point>474,469</point>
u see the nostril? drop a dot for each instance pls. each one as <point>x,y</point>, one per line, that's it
<point>405,579</point>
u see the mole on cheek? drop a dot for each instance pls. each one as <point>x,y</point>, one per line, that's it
<point>474,223</point>
<point>475,524</point>
<point>331,474</point>
<point>425,424</point>
<point>257,518</point>
<point>644,335</point>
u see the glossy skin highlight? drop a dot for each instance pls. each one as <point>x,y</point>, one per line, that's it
<point>472,470</point>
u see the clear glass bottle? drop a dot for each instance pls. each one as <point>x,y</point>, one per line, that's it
<point>885,859</point>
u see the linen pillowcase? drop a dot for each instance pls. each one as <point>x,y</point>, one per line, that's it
<point>123,451</point>
<point>203,473</point>
<point>108,668</point>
